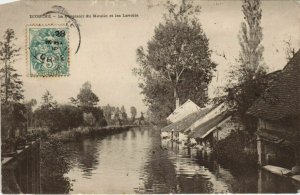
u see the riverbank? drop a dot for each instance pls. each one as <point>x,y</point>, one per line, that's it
<point>81,132</point>
<point>55,160</point>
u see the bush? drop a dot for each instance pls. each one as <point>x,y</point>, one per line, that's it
<point>232,149</point>
<point>54,164</point>
<point>59,118</point>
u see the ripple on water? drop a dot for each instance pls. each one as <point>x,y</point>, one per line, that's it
<point>138,162</point>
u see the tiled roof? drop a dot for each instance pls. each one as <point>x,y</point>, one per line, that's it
<point>202,129</point>
<point>282,99</point>
<point>184,123</point>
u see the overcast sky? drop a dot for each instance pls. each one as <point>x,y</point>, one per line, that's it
<point>108,49</point>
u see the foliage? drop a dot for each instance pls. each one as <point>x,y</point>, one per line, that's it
<point>97,113</point>
<point>47,100</point>
<point>102,122</point>
<point>71,116</point>
<point>232,149</point>
<point>114,115</point>
<point>247,80</point>
<point>142,116</point>
<point>11,85</point>
<point>123,115</point>
<point>59,118</point>
<point>12,118</point>
<point>86,101</point>
<point>133,112</point>
<point>54,164</point>
<point>177,62</point>
<point>89,119</point>
<point>86,97</point>
<point>117,113</point>
<point>107,112</point>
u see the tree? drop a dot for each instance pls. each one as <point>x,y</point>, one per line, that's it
<point>178,50</point>
<point>251,54</point>
<point>13,112</point>
<point>107,111</point>
<point>47,100</point>
<point>71,117</point>
<point>11,85</point>
<point>117,113</point>
<point>48,114</point>
<point>123,109</point>
<point>133,112</point>
<point>124,115</point>
<point>86,97</point>
<point>247,80</point>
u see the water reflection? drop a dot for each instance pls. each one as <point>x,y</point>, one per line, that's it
<point>138,161</point>
<point>85,156</point>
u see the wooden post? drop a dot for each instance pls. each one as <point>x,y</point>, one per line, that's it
<point>259,151</point>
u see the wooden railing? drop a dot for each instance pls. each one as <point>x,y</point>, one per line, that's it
<point>21,172</point>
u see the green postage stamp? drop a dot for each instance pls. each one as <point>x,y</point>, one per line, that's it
<point>48,51</point>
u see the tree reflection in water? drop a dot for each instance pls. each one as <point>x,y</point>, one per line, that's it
<point>85,155</point>
<point>138,161</point>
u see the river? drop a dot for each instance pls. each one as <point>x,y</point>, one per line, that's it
<point>137,161</point>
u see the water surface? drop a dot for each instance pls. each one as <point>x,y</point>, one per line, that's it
<point>138,161</point>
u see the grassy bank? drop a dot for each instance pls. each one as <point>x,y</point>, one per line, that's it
<point>80,132</point>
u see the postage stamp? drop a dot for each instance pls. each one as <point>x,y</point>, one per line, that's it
<point>48,51</point>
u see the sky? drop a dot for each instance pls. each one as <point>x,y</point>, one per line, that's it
<point>108,45</point>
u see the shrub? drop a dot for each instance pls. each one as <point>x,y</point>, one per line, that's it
<point>54,164</point>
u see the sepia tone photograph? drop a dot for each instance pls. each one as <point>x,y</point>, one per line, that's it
<point>150,96</point>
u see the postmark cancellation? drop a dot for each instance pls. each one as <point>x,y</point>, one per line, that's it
<point>47,50</point>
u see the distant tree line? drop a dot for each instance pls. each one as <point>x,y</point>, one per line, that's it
<point>18,114</point>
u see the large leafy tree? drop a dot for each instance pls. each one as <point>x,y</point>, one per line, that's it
<point>247,79</point>
<point>86,97</point>
<point>11,85</point>
<point>87,100</point>
<point>176,64</point>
